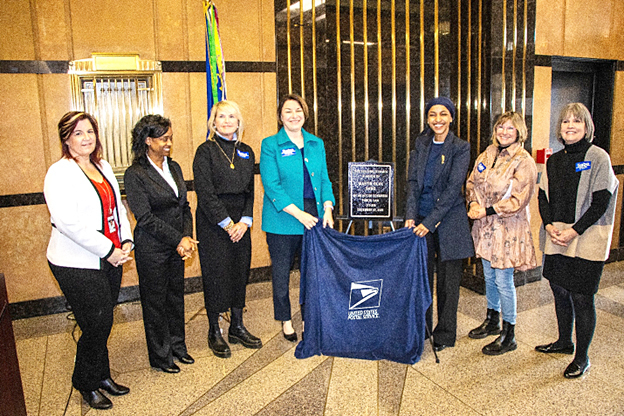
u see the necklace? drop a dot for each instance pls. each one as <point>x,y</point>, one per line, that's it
<point>104,189</point>
<point>231,160</point>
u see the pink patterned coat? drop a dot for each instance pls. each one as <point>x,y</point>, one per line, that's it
<point>504,239</point>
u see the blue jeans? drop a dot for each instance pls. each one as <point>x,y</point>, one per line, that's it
<point>500,291</point>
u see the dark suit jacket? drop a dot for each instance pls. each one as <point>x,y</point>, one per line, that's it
<point>448,217</point>
<point>163,218</point>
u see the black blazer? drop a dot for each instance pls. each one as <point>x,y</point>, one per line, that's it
<point>163,218</point>
<point>448,217</point>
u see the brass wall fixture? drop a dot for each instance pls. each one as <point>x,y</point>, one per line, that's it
<point>117,90</point>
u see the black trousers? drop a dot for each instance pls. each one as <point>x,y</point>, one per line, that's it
<point>161,286</point>
<point>283,249</point>
<point>447,291</point>
<point>92,295</point>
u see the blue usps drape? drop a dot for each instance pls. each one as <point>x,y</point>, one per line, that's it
<point>365,297</point>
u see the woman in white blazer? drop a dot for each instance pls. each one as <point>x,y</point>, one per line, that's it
<point>90,240</point>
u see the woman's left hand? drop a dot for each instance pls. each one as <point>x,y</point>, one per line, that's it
<point>476,211</point>
<point>186,247</point>
<point>564,237</point>
<point>420,230</point>
<point>328,219</point>
<point>127,247</point>
<point>238,231</point>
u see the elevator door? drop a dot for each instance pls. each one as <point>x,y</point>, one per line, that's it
<point>586,81</point>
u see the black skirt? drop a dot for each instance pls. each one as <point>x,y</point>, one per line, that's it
<point>572,273</point>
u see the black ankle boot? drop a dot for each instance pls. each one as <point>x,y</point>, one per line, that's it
<point>96,399</point>
<point>505,342</point>
<point>239,334</point>
<point>491,326</point>
<point>217,344</point>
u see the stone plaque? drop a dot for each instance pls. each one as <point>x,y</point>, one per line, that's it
<point>371,190</point>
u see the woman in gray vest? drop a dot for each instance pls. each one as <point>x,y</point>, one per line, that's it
<point>577,205</point>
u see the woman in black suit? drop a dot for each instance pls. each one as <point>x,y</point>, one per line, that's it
<point>157,197</point>
<point>436,209</point>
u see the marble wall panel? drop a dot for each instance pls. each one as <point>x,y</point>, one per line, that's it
<point>246,26</point>
<point>259,249</point>
<point>247,90</point>
<point>199,111</point>
<point>588,30</point>
<point>617,25</point>
<point>20,135</point>
<point>540,139</point>
<point>17,38</point>
<point>23,248</point>
<point>269,108</point>
<point>176,108</point>
<point>113,26</point>
<point>56,102</point>
<point>196,34</point>
<point>52,30</point>
<point>171,33</point>
<point>241,29</point>
<point>267,37</point>
<point>549,25</point>
<point>541,108</point>
<point>617,127</point>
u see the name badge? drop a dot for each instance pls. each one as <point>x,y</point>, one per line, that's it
<point>481,167</point>
<point>242,155</point>
<point>586,165</point>
<point>112,224</point>
<point>288,152</point>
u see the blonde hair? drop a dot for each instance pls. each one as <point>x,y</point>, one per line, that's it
<point>516,120</point>
<point>577,110</point>
<point>221,106</point>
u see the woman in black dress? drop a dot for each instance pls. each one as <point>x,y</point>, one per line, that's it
<point>156,194</point>
<point>577,205</point>
<point>224,183</point>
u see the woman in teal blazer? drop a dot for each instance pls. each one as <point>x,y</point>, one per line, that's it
<point>297,190</point>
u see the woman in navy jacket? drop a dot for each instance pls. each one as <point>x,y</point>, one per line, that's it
<point>90,241</point>
<point>436,210</point>
<point>297,190</point>
<point>156,194</point>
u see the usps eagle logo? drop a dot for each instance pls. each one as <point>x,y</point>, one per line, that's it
<point>365,294</point>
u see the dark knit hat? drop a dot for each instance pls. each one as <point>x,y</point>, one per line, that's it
<point>446,102</point>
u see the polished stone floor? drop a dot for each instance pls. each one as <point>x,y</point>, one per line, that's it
<point>271,381</point>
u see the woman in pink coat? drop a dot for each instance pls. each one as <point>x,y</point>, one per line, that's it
<point>498,191</point>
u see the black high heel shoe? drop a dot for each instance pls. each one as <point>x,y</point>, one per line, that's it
<point>290,337</point>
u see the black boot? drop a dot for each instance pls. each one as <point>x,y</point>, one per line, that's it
<point>217,344</point>
<point>96,399</point>
<point>491,326</point>
<point>505,342</point>
<point>239,334</point>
